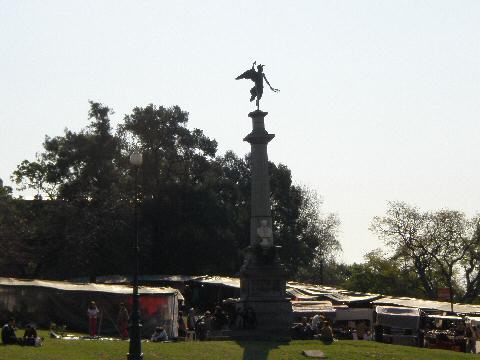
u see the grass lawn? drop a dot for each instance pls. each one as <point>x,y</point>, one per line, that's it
<point>221,350</point>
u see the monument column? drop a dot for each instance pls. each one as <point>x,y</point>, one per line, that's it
<point>262,276</point>
<point>260,196</point>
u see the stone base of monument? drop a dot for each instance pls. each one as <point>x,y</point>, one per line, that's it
<point>263,289</point>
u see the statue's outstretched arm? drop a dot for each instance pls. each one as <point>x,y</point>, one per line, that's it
<point>253,65</point>
<point>271,88</point>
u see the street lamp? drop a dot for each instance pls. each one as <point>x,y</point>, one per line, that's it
<point>135,346</point>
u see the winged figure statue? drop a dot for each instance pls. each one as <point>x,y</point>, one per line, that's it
<point>257,76</point>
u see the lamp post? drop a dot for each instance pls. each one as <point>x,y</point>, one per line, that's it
<point>135,346</point>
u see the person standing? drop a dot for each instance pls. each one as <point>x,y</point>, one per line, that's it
<point>122,321</point>
<point>361,330</point>
<point>182,327</point>
<point>191,319</point>
<point>92,313</point>
<point>472,334</point>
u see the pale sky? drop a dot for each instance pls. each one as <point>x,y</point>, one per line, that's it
<point>380,100</point>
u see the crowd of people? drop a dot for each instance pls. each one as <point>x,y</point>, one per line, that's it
<point>317,327</point>
<point>202,324</point>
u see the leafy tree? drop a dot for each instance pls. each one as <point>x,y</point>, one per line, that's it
<point>319,238</point>
<point>442,247</point>
<point>403,229</point>
<point>384,275</point>
<point>195,205</point>
<point>80,171</point>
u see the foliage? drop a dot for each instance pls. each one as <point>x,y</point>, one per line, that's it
<point>441,247</point>
<point>194,204</point>
<point>383,275</point>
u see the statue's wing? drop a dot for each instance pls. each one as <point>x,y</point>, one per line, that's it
<point>249,74</point>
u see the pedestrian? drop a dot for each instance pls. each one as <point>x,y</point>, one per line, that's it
<point>92,313</point>
<point>472,333</point>
<point>191,320</point>
<point>122,321</point>
<point>182,327</point>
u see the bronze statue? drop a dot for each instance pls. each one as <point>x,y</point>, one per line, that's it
<point>257,77</point>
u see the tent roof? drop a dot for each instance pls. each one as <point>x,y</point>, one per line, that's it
<point>88,287</point>
<point>218,280</point>
<point>312,306</point>
<point>429,304</point>
<point>126,279</point>
<point>444,317</point>
<point>352,298</point>
<point>398,311</point>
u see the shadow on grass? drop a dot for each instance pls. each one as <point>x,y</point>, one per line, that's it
<point>257,350</point>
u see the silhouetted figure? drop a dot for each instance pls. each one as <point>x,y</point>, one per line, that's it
<point>182,327</point>
<point>249,318</point>
<point>122,321</point>
<point>30,335</point>
<point>219,318</point>
<point>257,77</point>
<point>8,333</point>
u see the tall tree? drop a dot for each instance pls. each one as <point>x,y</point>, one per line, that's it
<point>195,205</point>
<point>442,247</point>
<point>403,229</point>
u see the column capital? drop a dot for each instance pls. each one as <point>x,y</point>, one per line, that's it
<point>257,113</point>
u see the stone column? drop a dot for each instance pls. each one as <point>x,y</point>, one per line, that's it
<point>260,197</point>
<point>262,277</point>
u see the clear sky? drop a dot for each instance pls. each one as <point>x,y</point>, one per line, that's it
<point>380,100</point>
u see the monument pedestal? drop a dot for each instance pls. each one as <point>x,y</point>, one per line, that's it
<point>262,288</point>
<point>262,276</point>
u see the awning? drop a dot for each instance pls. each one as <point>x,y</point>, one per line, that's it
<point>398,317</point>
<point>354,314</point>
<point>429,305</point>
<point>88,287</point>
<point>312,307</point>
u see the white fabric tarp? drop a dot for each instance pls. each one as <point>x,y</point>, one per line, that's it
<point>314,307</point>
<point>354,314</point>
<point>474,320</point>
<point>428,305</point>
<point>398,317</point>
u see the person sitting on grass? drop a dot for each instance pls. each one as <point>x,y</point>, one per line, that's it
<point>303,331</point>
<point>8,333</point>
<point>30,335</point>
<point>326,334</point>
<point>159,335</point>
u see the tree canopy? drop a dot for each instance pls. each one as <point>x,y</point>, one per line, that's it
<point>195,203</point>
<point>441,247</point>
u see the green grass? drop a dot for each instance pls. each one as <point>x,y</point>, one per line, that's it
<point>221,350</point>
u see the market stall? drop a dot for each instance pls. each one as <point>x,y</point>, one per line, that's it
<point>444,332</point>
<point>64,303</point>
<point>350,321</point>
<point>397,325</point>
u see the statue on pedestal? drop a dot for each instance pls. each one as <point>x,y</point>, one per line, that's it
<point>257,77</point>
<point>262,276</point>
